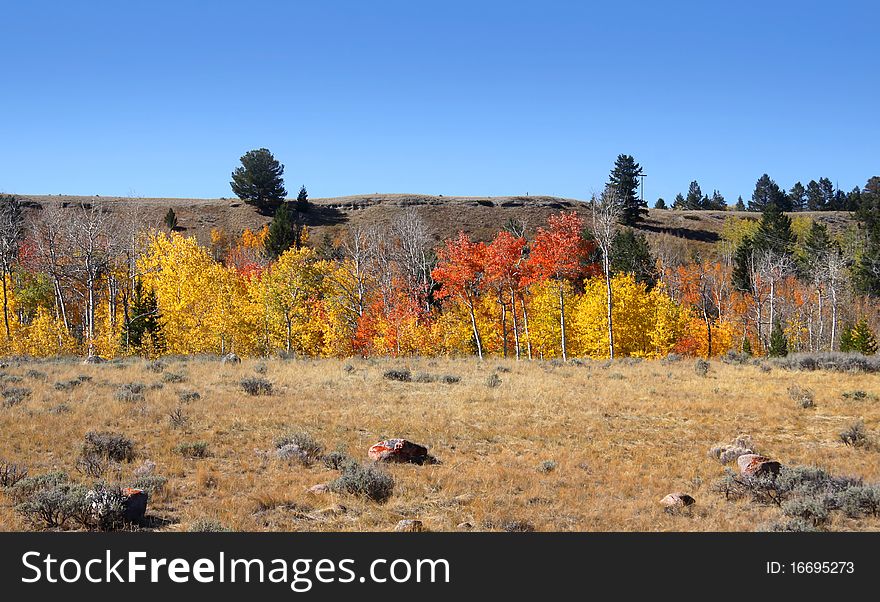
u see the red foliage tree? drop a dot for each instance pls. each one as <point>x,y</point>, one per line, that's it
<point>461,273</point>
<point>561,253</point>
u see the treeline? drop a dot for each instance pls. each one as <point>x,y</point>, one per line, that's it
<point>821,195</point>
<point>81,280</point>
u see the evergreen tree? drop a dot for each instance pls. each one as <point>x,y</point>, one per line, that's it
<point>816,247</point>
<point>767,192</point>
<point>142,322</point>
<point>774,232</point>
<point>679,202</point>
<point>740,206</point>
<point>284,232</point>
<point>624,180</point>
<point>846,338</point>
<point>747,346</point>
<point>302,200</point>
<point>171,220</point>
<point>742,265</point>
<point>820,195</point>
<point>863,339</point>
<point>778,342</point>
<point>798,197</point>
<point>866,271</point>
<point>694,198</point>
<point>716,202</point>
<point>660,204</point>
<point>630,254</point>
<point>258,180</point>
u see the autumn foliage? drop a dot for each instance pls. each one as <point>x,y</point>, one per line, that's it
<point>387,293</point>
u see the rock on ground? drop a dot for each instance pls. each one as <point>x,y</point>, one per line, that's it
<point>677,500</point>
<point>409,525</point>
<point>399,450</point>
<point>753,465</point>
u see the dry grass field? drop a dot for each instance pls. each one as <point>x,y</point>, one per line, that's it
<point>590,447</point>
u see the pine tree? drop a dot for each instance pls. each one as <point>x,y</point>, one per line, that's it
<point>846,338</point>
<point>660,204</point>
<point>817,244</point>
<point>624,180</point>
<point>630,254</point>
<point>747,346</point>
<point>742,265</point>
<point>866,271</point>
<point>740,205</point>
<point>694,198</point>
<point>716,202</point>
<point>302,200</point>
<point>171,220</point>
<point>820,195</point>
<point>767,192</point>
<point>679,202</point>
<point>778,342</point>
<point>774,232</point>
<point>798,197</point>
<point>284,232</point>
<point>863,339</point>
<point>142,322</point>
<point>258,180</point>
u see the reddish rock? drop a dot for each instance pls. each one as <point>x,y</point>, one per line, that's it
<point>135,505</point>
<point>677,500</point>
<point>753,465</point>
<point>399,450</point>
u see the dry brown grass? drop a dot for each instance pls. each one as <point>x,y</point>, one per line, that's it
<point>622,436</point>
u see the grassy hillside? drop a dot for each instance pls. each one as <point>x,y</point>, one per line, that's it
<point>480,217</point>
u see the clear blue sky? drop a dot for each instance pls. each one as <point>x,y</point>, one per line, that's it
<point>455,98</point>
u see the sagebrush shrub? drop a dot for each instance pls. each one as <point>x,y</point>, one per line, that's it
<point>130,392</point>
<point>195,449</point>
<point>404,375</point>
<point>11,473</point>
<point>365,481</point>
<point>53,506</point>
<point>157,366</point>
<point>450,379</point>
<point>803,397</point>
<point>189,396</point>
<point>701,367</point>
<point>493,381</point>
<point>302,440</point>
<point>152,484</point>
<point>112,446</point>
<point>814,510</point>
<point>14,395</point>
<point>256,386</point>
<point>173,377</point>
<point>854,435</point>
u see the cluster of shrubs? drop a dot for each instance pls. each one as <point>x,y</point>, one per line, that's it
<point>364,480</point>
<point>446,379</point>
<point>806,495</point>
<point>67,385</point>
<point>131,392</point>
<point>14,395</point>
<point>256,386</point>
<point>53,501</point>
<point>836,361</point>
